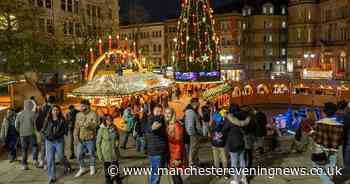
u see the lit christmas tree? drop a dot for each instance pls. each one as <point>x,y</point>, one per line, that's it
<point>197,54</point>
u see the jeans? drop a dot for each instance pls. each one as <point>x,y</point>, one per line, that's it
<point>237,157</point>
<point>11,144</point>
<point>325,178</point>
<point>140,144</point>
<point>53,147</point>
<point>91,147</point>
<point>194,149</point>
<point>126,138</point>
<point>108,178</point>
<point>205,129</point>
<point>219,154</point>
<point>25,142</point>
<point>157,161</point>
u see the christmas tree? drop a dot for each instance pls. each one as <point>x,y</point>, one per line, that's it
<point>197,54</point>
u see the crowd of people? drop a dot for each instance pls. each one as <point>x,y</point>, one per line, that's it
<point>237,137</point>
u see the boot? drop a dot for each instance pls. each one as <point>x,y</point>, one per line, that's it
<point>92,170</point>
<point>80,172</point>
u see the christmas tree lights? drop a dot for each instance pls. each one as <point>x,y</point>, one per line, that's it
<point>197,54</point>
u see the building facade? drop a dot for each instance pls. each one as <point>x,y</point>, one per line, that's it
<point>72,20</point>
<point>319,37</point>
<point>229,30</point>
<point>264,42</point>
<point>150,41</point>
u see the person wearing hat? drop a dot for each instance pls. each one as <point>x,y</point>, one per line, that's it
<point>85,136</point>
<point>328,136</point>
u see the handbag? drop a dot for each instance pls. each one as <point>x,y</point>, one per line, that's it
<point>321,157</point>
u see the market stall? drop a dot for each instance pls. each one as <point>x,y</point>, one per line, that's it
<point>280,93</point>
<point>108,92</point>
<point>302,94</point>
<point>220,94</point>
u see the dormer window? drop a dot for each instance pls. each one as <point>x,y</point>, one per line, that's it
<point>244,12</point>
<point>268,9</point>
<point>247,11</point>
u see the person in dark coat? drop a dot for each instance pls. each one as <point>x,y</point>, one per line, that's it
<point>157,147</point>
<point>235,143</point>
<point>9,135</point>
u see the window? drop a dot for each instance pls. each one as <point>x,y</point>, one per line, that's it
<point>76,6</point>
<point>309,15</point>
<point>271,10</point>
<point>40,3</point>
<point>160,48</point>
<point>244,26</point>
<point>270,38</point>
<point>244,12</point>
<point>88,10</point>
<point>283,11</point>
<point>269,51</point>
<point>65,28</point>
<point>69,5</point>
<point>77,30</point>
<point>71,28</point>
<point>264,10</point>
<point>309,35</point>
<point>249,11</point>
<point>42,25</point>
<point>298,34</point>
<point>283,51</point>
<point>50,27</point>
<point>94,11</point>
<point>63,5</point>
<point>48,3</point>
<point>160,33</point>
<point>284,24</point>
<point>154,48</point>
<point>99,12</point>
<point>110,13</point>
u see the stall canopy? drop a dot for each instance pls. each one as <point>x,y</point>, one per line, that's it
<point>212,93</point>
<point>118,86</point>
<point>5,80</point>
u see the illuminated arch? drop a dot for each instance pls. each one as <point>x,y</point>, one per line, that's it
<point>236,92</point>
<point>280,89</point>
<point>262,89</point>
<point>107,54</point>
<point>248,90</point>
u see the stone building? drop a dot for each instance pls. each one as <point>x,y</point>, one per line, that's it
<point>150,41</point>
<point>319,37</point>
<point>72,20</point>
<point>264,42</point>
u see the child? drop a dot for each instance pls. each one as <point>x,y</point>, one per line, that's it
<point>107,148</point>
<point>9,134</point>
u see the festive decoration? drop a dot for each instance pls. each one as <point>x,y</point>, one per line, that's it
<point>196,43</point>
<point>107,84</point>
<point>216,91</point>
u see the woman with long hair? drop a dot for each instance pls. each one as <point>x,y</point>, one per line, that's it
<point>175,133</point>
<point>54,130</point>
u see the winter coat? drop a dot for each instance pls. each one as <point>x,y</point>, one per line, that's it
<point>107,144</point>
<point>157,143</point>
<point>192,123</point>
<point>177,146</point>
<point>329,134</point>
<point>86,125</point>
<point>261,122</point>
<point>71,117</point>
<point>8,128</point>
<point>234,133</point>
<point>25,121</point>
<point>54,130</point>
<point>347,129</point>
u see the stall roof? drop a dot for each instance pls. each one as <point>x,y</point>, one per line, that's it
<point>5,80</point>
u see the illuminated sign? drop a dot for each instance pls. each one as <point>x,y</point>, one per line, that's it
<point>317,74</point>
